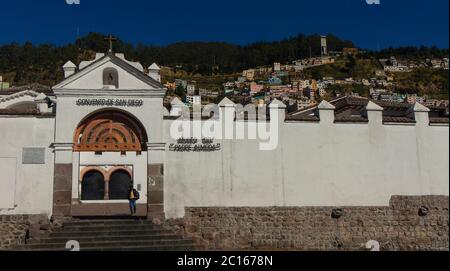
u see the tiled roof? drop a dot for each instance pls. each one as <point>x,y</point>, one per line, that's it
<point>191,117</point>
<point>306,118</point>
<point>34,87</point>
<point>351,109</point>
<point>119,62</point>
<point>26,112</point>
<point>19,112</point>
<point>398,120</point>
<point>355,119</point>
<point>439,120</point>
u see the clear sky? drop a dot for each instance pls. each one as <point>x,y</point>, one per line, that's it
<point>391,23</point>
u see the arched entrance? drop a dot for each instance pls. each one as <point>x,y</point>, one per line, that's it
<point>93,186</point>
<point>111,143</point>
<point>119,183</point>
<point>110,131</point>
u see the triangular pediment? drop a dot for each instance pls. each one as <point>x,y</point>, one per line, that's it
<point>92,77</point>
<point>26,96</point>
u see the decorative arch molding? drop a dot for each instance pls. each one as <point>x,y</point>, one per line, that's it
<point>116,169</point>
<point>110,130</point>
<point>18,99</point>
<point>114,186</point>
<point>86,170</point>
<point>106,173</point>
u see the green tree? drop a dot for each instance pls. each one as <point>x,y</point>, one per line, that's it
<point>180,92</point>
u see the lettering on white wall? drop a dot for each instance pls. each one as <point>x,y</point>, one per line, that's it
<point>110,102</point>
<point>194,145</point>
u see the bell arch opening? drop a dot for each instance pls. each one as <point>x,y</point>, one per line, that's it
<point>110,131</point>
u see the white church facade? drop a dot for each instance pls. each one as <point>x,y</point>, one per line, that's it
<point>74,152</point>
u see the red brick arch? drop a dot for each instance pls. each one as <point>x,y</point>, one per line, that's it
<point>115,169</point>
<point>110,131</point>
<point>92,168</point>
<point>106,173</point>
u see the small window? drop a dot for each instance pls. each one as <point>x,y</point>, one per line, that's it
<point>110,78</point>
<point>98,153</point>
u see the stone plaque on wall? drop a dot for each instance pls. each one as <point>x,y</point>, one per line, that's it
<point>33,156</point>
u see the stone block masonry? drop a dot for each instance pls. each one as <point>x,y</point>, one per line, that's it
<point>155,191</point>
<point>410,223</point>
<point>16,229</point>
<point>62,190</point>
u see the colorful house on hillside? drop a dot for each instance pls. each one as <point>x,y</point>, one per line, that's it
<point>3,85</point>
<point>255,88</point>
<point>274,80</point>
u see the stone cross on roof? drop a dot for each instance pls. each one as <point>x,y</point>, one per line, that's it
<point>110,39</point>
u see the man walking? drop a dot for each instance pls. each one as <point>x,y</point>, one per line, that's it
<point>133,196</point>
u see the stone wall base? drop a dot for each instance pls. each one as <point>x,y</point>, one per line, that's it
<point>16,229</point>
<point>409,223</point>
<point>62,191</point>
<point>155,207</point>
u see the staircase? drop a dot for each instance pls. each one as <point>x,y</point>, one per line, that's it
<point>112,235</point>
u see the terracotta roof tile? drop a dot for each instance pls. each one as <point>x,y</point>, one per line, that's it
<point>348,108</point>
<point>35,87</point>
<point>389,119</point>
<point>355,119</point>
<point>308,118</point>
<point>439,120</point>
<point>21,112</point>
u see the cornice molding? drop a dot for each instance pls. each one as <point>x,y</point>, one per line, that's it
<point>156,146</point>
<point>134,93</point>
<point>62,146</point>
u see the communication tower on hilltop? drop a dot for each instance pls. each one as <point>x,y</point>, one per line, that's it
<point>323,42</point>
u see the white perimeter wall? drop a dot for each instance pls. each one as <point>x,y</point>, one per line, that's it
<point>25,189</point>
<point>315,164</point>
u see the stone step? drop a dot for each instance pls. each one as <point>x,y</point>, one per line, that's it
<point>114,222</point>
<point>130,234</point>
<point>116,244</point>
<point>90,239</point>
<point>168,248</point>
<point>99,233</point>
<point>101,227</point>
<point>123,248</point>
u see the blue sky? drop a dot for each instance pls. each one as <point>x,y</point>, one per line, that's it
<point>392,23</point>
